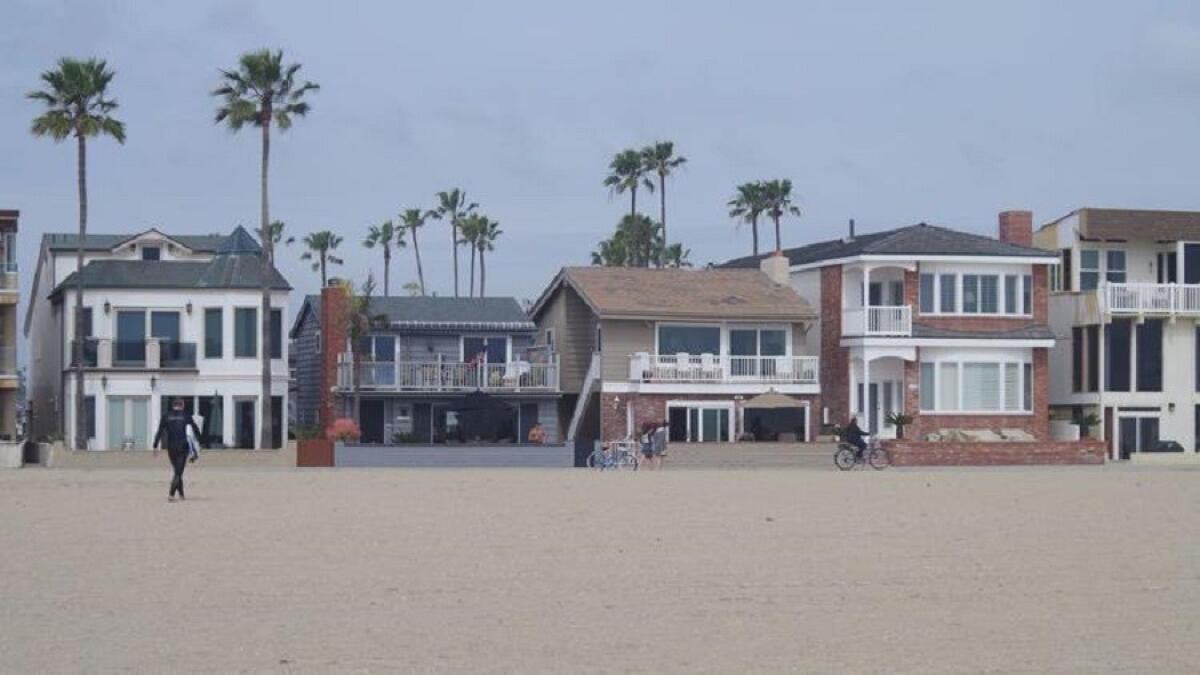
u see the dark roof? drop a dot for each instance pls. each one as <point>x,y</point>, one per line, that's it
<point>1138,224</point>
<point>435,313</point>
<point>239,242</point>
<point>920,239</point>
<point>1031,332</point>
<point>221,272</point>
<point>64,241</point>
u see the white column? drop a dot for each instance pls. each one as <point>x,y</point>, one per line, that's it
<point>866,395</point>
<point>866,313</point>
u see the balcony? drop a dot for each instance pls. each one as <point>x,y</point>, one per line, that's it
<point>441,376</point>
<point>877,321</point>
<point>8,276</point>
<point>1147,298</point>
<point>720,369</point>
<point>151,354</point>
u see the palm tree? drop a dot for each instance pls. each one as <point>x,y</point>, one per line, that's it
<point>627,173</point>
<point>359,321</point>
<point>676,255</point>
<point>77,104</point>
<point>276,232</point>
<point>385,235</point>
<point>661,159</point>
<point>468,232</point>
<point>321,246</point>
<point>610,252</point>
<point>413,220</point>
<point>777,202</point>
<point>263,92</point>
<point>747,206</point>
<point>489,232</point>
<point>412,289</point>
<point>452,204</point>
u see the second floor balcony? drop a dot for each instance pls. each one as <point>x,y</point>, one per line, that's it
<point>447,376</point>
<point>723,369</point>
<point>877,321</point>
<point>150,354</point>
<point>1149,298</point>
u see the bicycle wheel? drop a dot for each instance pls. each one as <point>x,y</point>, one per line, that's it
<point>879,459</point>
<point>596,460</point>
<point>844,458</point>
<point>629,461</point>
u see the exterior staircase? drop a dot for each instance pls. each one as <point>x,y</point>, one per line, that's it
<point>750,456</point>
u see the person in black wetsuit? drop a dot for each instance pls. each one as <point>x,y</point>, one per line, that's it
<point>855,436</point>
<point>172,434</point>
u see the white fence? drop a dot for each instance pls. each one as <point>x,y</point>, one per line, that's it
<point>1146,298</point>
<point>893,320</point>
<point>714,368</point>
<point>445,376</point>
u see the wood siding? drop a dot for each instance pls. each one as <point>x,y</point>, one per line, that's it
<point>307,355</point>
<point>574,328</point>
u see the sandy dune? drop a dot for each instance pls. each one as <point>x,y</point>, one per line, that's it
<point>1074,569</point>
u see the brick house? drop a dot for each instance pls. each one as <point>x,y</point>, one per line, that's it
<point>946,326</point>
<point>689,347</point>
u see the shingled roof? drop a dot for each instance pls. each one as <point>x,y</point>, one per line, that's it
<point>920,239</point>
<point>622,292</point>
<point>64,241</point>
<point>436,313</point>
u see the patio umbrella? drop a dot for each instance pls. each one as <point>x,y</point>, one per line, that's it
<point>772,400</point>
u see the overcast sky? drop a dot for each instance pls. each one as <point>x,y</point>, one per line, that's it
<point>889,113</point>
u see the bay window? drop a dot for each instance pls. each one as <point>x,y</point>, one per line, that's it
<point>976,386</point>
<point>995,294</point>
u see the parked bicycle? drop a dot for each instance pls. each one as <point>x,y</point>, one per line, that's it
<point>620,455</point>
<point>849,456</point>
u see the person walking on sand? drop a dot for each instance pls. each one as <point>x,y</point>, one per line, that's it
<point>173,434</point>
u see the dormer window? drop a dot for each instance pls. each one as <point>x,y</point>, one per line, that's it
<point>151,252</point>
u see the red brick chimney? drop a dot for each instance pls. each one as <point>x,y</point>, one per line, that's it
<point>334,300</point>
<point>1016,227</point>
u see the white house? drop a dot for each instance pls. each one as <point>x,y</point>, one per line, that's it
<point>1124,305</point>
<point>165,317</point>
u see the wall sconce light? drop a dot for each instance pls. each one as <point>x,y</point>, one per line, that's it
<point>189,308</point>
<point>104,382</point>
<point>107,307</point>
<point>1171,407</point>
<point>153,382</point>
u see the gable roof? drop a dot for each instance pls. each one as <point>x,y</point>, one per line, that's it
<point>624,292</point>
<point>1135,224</point>
<point>437,313</point>
<point>914,240</point>
<point>67,241</point>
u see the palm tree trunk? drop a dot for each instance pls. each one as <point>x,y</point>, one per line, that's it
<point>454,247</point>
<point>633,201</point>
<point>420,272</point>
<point>662,214</point>
<point>471,288</point>
<point>754,229</point>
<point>324,283</point>
<point>269,258</point>
<point>482,274</point>
<point>387,263</point>
<point>778,246</point>
<point>77,348</point>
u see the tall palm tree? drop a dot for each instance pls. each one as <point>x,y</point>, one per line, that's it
<point>276,232</point>
<point>627,172</point>
<point>77,104</point>
<point>452,205</point>
<point>676,255</point>
<point>661,160</point>
<point>642,238</point>
<point>359,319</point>
<point>748,205</point>
<point>321,246</point>
<point>489,232</point>
<point>385,235</point>
<point>413,220</point>
<point>263,92</point>
<point>777,202</point>
<point>469,230</point>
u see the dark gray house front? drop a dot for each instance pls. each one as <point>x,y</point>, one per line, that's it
<point>433,370</point>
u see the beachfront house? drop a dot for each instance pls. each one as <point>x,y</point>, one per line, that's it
<point>164,316</point>
<point>1125,303</point>
<point>948,327</point>
<point>430,370</point>
<point>691,347</point>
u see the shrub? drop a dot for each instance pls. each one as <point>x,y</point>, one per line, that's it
<point>343,429</point>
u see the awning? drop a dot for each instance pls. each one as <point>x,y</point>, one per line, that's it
<point>772,400</point>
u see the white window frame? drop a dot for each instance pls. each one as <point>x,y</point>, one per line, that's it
<point>1022,408</point>
<point>1023,278</point>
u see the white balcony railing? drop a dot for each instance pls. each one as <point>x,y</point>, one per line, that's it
<point>1146,298</point>
<point>446,376</point>
<point>717,369</point>
<point>893,320</point>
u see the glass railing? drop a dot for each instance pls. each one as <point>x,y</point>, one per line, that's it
<point>177,354</point>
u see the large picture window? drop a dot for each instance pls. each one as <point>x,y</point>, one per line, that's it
<point>245,332</point>
<point>689,339</point>
<point>976,386</point>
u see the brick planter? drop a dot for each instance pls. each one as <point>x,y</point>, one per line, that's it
<point>928,453</point>
<point>314,452</point>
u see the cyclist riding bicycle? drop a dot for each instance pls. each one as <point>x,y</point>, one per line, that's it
<point>854,435</point>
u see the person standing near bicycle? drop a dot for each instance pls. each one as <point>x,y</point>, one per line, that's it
<point>854,435</point>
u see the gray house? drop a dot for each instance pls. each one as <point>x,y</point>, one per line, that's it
<point>429,373</point>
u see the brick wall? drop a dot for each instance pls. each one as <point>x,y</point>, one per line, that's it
<point>333,342</point>
<point>919,453</point>
<point>1016,227</point>
<point>835,359</point>
<point>653,408</point>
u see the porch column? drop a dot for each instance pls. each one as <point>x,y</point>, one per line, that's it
<point>865,403</point>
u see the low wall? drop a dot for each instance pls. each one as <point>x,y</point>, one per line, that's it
<point>464,456</point>
<point>314,452</point>
<point>64,458</point>
<point>947,453</point>
<point>11,455</point>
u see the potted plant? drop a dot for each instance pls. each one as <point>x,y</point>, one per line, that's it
<point>899,420</point>
<point>343,430</point>
<point>1086,422</point>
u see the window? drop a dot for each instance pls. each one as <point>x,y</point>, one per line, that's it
<point>1066,278</point>
<point>1167,267</point>
<point>1115,267</point>
<point>949,293</point>
<point>1010,293</point>
<point>896,293</point>
<point>928,393</point>
<point>214,328</point>
<point>948,386</point>
<point>1055,281</point>
<point>1092,334</point>
<point>87,322</point>
<point>989,294</point>
<point>689,339</point>
<point>1117,344</point>
<point>1077,351</point>
<point>277,333</point>
<point>550,338</point>
<point>1089,270</point>
<point>151,253</point>
<point>245,332</point>
<point>1196,359</point>
<point>1027,294</point>
<point>1012,386</point>
<point>970,294</point>
<point>926,292</point>
<point>1027,380</point>
<point>1149,355</point>
<point>89,416</point>
<point>981,386</point>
